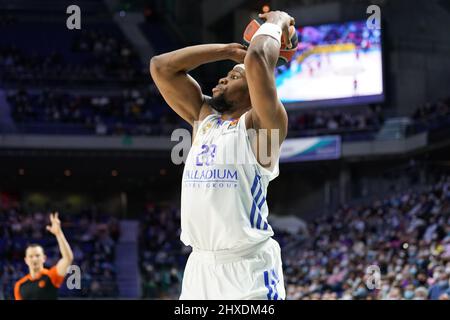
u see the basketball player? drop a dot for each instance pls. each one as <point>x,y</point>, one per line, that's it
<point>42,283</point>
<point>223,205</point>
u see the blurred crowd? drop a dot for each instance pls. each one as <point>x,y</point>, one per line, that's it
<point>162,255</point>
<point>431,116</point>
<point>111,52</point>
<point>430,111</point>
<point>132,112</point>
<point>20,67</point>
<point>95,57</point>
<point>92,238</point>
<point>406,238</point>
<point>335,121</point>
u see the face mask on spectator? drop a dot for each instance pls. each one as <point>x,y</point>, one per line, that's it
<point>408,294</point>
<point>360,292</point>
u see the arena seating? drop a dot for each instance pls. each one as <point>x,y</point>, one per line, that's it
<point>407,235</point>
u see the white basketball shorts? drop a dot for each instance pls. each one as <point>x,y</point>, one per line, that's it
<point>254,273</point>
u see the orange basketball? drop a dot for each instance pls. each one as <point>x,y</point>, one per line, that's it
<point>286,54</point>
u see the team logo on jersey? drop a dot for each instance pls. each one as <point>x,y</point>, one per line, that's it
<point>233,124</point>
<point>206,127</point>
<point>41,284</point>
<point>210,179</point>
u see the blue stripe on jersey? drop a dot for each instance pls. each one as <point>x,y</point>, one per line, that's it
<point>266,282</point>
<point>262,202</point>
<point>257,186</point>
<point>255,182</point>
<point>252,214</point>
<point>255,200</point>
<point>274,283</point>
<point>258,194</point>
<point>258,221</point>
<point>275,275</point>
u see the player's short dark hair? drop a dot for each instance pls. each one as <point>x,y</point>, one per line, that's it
<point>34,245</point>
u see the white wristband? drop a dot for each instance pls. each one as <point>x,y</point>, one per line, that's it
<point>271,30</point>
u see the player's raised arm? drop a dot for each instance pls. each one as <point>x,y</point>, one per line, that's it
<point>181,92</point>
<point>260,63</point>
<point>64,247</point>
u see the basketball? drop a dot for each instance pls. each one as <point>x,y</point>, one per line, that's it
<point>286,54</point>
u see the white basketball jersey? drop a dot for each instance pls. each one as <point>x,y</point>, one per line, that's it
<point>223,197</point>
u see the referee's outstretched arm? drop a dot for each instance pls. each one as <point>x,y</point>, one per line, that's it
<point>64,247</point>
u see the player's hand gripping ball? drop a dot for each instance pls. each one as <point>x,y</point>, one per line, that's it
<point>286,54</point>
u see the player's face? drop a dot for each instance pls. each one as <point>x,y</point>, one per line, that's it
<point>35,258</point>
<point>231,91</point>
